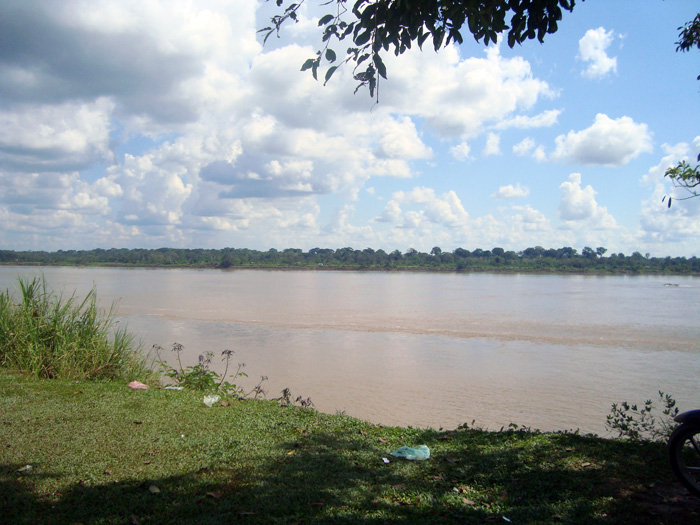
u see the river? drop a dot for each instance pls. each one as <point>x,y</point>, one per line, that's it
<point>422,349</point>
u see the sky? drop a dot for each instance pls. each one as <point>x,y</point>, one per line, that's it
<point>168,123</point>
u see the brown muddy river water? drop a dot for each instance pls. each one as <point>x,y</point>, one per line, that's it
<point>422,349</point>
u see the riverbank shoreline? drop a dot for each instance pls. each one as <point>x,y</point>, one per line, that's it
<point>323,268</point>
<point>531,260</point>
<point>90,451</point>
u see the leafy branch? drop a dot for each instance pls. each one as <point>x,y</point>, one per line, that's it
<point>380,26</point>
<point>685,176</point>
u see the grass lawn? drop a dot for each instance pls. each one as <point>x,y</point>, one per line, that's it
<point>102,453</point>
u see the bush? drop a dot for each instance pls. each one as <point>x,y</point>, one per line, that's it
<point>643,424</point>
<point>201,377</point>
<point>49,336</point>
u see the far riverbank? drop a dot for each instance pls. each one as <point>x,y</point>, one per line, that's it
<point>532,260</point>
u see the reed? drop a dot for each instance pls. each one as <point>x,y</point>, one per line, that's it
<point>50,336</point>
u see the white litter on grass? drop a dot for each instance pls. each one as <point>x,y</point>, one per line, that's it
<point>210,401</point>
<point>386,461</point>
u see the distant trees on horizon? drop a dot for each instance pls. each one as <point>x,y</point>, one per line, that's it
<point>565,259</point>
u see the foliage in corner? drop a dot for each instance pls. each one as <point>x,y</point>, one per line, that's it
<point>376,26</point>
<point>685,176</point>
<point>202,378</point>
<point>689,36</point>
<point>643,423</point>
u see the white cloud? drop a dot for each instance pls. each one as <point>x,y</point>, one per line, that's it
<point>543,120</point>
<point>230,144</point>
<point>391,213</point>
<point>460,151</point>
<point>610,142</point>
<point>399,139</point>
<point>593,50</point>
<point>679,225</point>
<point>460,97</point>
<point>532,219</point>
<point>539,155</point>
<point>446,210</point>
<point>578,206</point>
<point>493,145</point>
<point>52,137</point>
<point>511,192</point>
<point>524,147</point>
<point>527,146</point>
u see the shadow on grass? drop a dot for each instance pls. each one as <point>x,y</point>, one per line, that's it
<point>472,477</point>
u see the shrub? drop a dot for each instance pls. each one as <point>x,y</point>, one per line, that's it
<point>201,377</point>
<point>643,423</point>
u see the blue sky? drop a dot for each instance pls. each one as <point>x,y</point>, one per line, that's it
<point>168,123</point>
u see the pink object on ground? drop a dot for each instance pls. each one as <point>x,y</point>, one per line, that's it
<point>138,385</point>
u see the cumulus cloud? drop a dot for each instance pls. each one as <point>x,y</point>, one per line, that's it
<point>399,139</point>
<point>531,219</point>
<point>610,142</point>
<point>678,225</point>
<point>55,137</point>
<point>459,97</point>
<point>460,151</point>
<point>524,147</point>
<point>167,123</point>
<point>511,192</point>
<point>578,205</point>
<point>493,145</point>
<point>236,138</point>
<point>142,55</point>
<point>539,154</point>
<point>593,50</point>
<point>391,213</point>
<point>445,209</point>
<point>527,146</point>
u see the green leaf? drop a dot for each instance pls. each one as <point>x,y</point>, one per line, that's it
<point>330,55</point>
<point>438,37</point>
<point>363,38</point>
<point>308,64</point>
<point>381,68</point>
<point>329,73</point>
<point>325,19</point>
<point>422,38</point>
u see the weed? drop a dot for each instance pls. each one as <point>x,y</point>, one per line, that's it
<point>285,400</point>
<point>202,378</point>
<point>642,423</point>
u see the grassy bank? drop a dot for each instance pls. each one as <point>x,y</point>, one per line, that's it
<point>101,453</point>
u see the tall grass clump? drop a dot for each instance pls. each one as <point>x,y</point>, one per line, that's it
<point>49,336</point>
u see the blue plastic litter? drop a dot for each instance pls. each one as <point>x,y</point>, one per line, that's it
<point>419,453</point>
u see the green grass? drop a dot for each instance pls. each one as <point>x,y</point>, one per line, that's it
<point>97,448</point>
<point>49,336</point>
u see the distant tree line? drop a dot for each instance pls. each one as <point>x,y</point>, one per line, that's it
<point>537,259</point>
